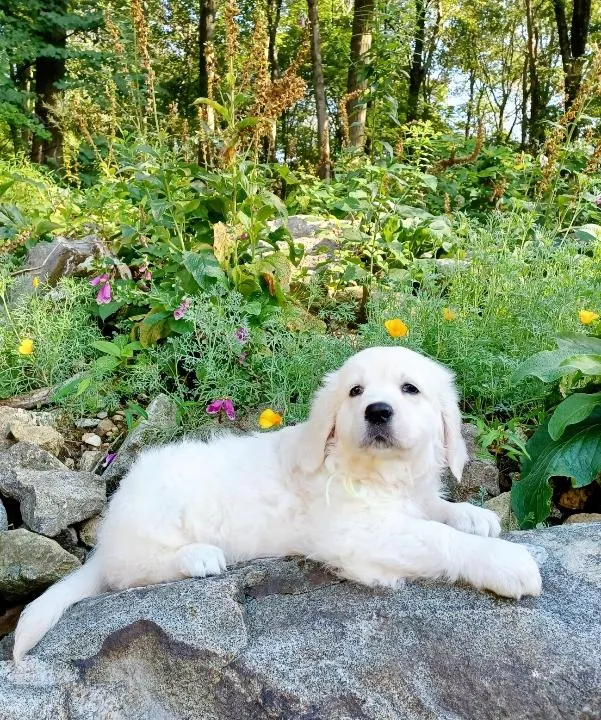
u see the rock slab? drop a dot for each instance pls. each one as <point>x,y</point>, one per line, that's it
<point>284,639</point>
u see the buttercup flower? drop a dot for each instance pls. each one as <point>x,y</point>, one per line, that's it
<point>449,315</point>
<point>35,282</point>
<point>25,347</point>
<point>396,328</point>
<point>105,293</point>
<point>241,335</point>
<point>181,309</point>
<point>269,418</point>
<point>587,317</point>
<point>215,407</point>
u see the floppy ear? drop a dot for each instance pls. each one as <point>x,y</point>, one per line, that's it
<point>454,445</point>
<point>311,444</point>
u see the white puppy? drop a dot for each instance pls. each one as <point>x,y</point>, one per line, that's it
<point>356,487</point>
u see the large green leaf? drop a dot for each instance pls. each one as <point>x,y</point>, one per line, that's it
<point>572,410</point>
<point>550,365</point>
<point>576,455</point>
<point>587,364</point>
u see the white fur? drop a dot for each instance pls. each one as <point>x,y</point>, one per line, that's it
<point>373,514</point>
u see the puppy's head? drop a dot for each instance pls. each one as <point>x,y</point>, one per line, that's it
<point>385,401</point>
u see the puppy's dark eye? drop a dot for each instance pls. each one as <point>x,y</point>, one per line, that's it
<point>409,389</point>
<point>356,390</point>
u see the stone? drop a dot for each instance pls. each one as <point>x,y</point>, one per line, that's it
<point>102,414</point>
<point>480,474</point>
<point>7,416</point>
<point>29,563</point>
<point>86,423</point>
<point>88,531</point>
<point>92,439</point>
<point>3,517</point>
<point>284,639</point>
<point>162,421</point>
<point>502,506</point>
<point>51,500</point>
<point>29,455</point>
<point>584,518</point>
<point>44,436</point>
<point>69,540</point>
<point>105,427</point>
<point>90,459</point>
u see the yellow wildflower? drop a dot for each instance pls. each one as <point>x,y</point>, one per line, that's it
<point>396,328</point>
<point>26,347</point>
<point>35,282</point>
<point>449,314</point>
<point>587,317</point>
<point>269,418</point>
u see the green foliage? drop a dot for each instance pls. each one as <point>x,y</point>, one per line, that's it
<point>59,324</point>
<point>568,444</point>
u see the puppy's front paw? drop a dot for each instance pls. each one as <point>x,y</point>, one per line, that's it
<point>200,560</point>
<point>512,571</point>
<point>474,520</point>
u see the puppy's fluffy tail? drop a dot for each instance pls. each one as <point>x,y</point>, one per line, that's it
<point>44,612</point>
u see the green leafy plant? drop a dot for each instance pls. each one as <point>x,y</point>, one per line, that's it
<point>568,444</point>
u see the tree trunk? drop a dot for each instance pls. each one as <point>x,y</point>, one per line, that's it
<point>49,72</point>
<point>323,130</point>
<point>416,69</point>
<point>274,11</point>
<point>536,131</point>
<point>356,108</point>
<point>470,104</point>
<point>572,44</point>
<point>206,32</point>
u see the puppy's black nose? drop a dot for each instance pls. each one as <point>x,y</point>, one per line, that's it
<point>378,412</point>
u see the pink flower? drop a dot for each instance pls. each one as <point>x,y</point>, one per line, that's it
<point>598,201</point>
<point>242,358</point>
<point>181,309</point>
<point>215,407</point>
<point>241,335</point>
<point>105,294</point>
<point>108,459</point>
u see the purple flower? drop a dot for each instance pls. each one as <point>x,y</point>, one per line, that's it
<point>105,294</point>
<point>241,335</point>
<point>215,407</point>
<point>181,309</point>
<point>598,201</point>
<point>99,279</point>
<point>108,459</point>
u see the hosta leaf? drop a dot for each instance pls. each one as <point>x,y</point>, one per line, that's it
<point>576,455</point>
<point>572,410</point>
<point>587,364</point>
<point>550,365</point>
<point>107,347</point>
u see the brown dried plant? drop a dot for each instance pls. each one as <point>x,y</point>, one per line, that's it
<point>590,89</point>
<point>343,114</point>
<point>464,160</point>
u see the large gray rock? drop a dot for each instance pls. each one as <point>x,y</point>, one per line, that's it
<point>480,474</point>
<point>29,455</point>
<point>51,500</point>
<point>28,564</point>
<point>283,639</point>
<point>3,517</point>
<point>161,420</point>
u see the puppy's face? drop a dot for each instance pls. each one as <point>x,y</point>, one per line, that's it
<point>387,400</point>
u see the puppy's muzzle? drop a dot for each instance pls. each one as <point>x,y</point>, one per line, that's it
<point>378,413</point>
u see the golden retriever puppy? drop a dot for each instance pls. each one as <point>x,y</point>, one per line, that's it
<point>356,487</point>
